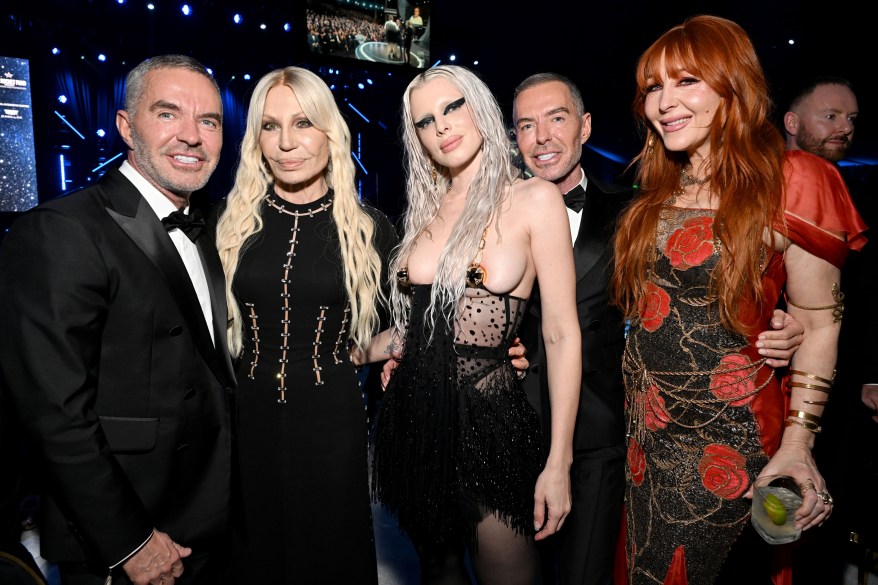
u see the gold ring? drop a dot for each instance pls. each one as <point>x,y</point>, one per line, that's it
<point>827,499</point>
<point>807,485</point>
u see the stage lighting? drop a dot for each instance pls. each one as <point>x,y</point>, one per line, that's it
<point>369,81</point>
<point>452,58</point>
<point>237,18</point>
<point>102,57</point>
<point>247,77</point>
<point>62,99</point>
<point>186,10</point>
<point>262,26</point>
<point>151,6</point>
<point>55,50</point>
<point>361,86</point>
<point>209,70</point>
<point>287,26</point>
<point>100,131</point>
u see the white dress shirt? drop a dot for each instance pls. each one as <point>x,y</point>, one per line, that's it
<point>163,207</point>
<point>575,217</point>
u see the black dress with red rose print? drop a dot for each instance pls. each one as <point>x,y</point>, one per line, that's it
<point>704,411</point>
<point>695,394</point>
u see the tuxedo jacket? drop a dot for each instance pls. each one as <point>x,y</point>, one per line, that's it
<point>109,367</point>
<point>600,419</point>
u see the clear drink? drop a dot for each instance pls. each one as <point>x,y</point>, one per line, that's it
<point>773,512</point>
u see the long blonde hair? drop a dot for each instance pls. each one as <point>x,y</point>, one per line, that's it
<point>485,194</point>
<point>356,228</point>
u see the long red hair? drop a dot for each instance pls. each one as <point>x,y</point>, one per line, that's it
<point>746,167</point>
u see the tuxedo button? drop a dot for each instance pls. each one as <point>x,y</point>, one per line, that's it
<point>594,325</point>
<point>175,331</point>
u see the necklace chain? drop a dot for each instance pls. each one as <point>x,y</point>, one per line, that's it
<point>686,180</point>
<point>309,212</point>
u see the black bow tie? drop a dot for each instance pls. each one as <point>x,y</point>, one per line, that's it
<point>189,224</point>
<point>575,198</point>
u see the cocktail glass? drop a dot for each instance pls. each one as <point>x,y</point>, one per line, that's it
<point>773,513</point>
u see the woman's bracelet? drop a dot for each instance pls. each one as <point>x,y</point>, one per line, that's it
<point>804,415</point>
<point>806,424</point>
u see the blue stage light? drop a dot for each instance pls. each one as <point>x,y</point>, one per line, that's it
<point>102,57</point>
<point>62,99</point>
<point>55,50</point>
<point>369,81</point>
<point>351,106</point>
<point>106,162</point>
<point>209,70</point>
<point>247,76</point>
<point>237,18</point>
<point>186,10</point>
<point>63,119</point>
<point>287,26</point>
<point>361,86</point>
<point>101,133</point>
<point>151,6</point>
<point>262,26</point>
<point>453,58</point>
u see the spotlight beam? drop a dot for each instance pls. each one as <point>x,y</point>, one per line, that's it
<point>351,106</point>
<point>78,133</point>
<point>105,163</point>
<point>357,160</point>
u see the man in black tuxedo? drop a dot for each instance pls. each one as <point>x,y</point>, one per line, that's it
<point>551,125</point>
<point>114,357</point>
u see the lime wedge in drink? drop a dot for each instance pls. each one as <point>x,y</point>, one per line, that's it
<point>775,510</point>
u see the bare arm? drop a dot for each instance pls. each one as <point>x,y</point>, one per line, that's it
<point>553,261</point>
<point>382,347</point>
<point>809,284</point>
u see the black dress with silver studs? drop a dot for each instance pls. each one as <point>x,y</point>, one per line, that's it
<point>302,422</point>
<point>456,438</point>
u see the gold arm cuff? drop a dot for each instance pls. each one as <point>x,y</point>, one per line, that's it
<point>837,307</point>
<point>814,376</point>
<point>805,415</point>
<point>826,389</point>
<point>807,425</point>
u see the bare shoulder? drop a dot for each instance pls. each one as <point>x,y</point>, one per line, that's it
<point>536,192</point>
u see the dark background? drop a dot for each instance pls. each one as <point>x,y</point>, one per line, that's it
<point>596,44</point>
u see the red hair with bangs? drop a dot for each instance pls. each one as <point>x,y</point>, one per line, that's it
<point>746,163</point>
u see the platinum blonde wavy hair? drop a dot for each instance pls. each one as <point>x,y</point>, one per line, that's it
<point>356,228</point>
<point>486,193</point>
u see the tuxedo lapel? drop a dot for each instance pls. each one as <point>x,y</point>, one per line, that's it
<point>132,213</point>
<point>213,271</point>
<point>589,245</point>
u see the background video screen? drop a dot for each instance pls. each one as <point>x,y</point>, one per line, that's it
<point>395,32</point>
<point>18,167</point>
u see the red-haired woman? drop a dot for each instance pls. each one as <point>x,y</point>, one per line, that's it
<point>725,221</point>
